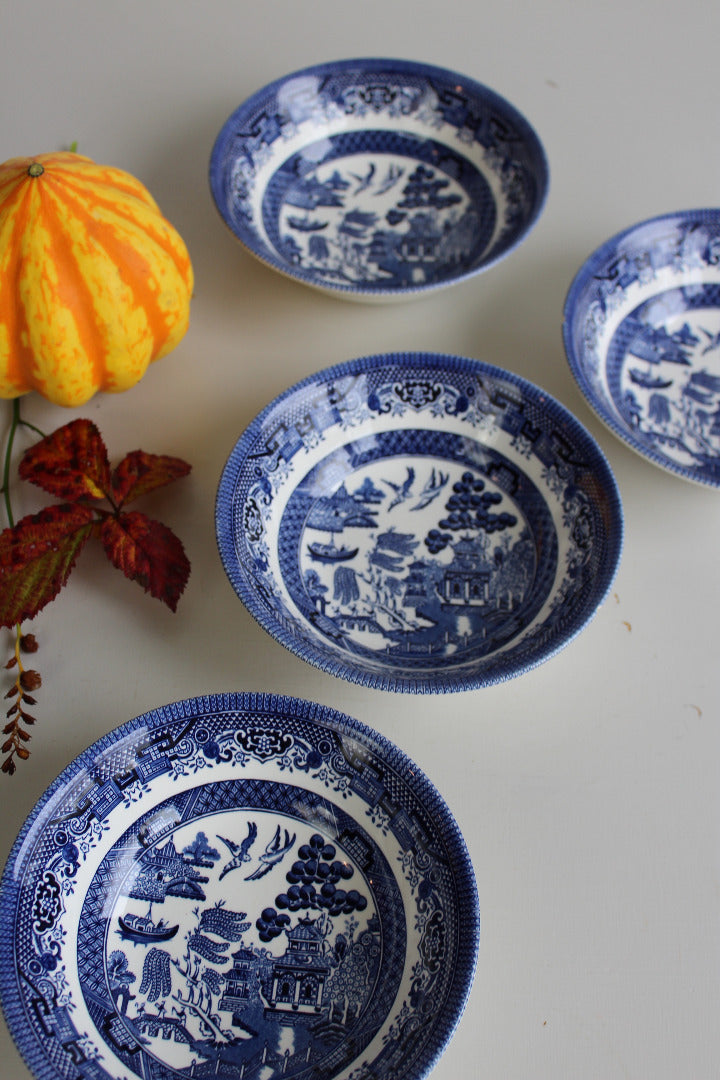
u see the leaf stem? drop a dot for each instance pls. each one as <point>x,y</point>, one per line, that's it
<point>32,427</point>
<point>14,424</point>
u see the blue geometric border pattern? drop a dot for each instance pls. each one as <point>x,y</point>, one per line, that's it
<point>191,760</point>
<point>481,404</point>
<point>636,339</point>
<point>317,103</point>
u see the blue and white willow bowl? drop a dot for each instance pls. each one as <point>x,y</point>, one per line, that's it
<point>238,886</point>
<point>642,336</point>
<point>419,522</point>
<point>378,179</point>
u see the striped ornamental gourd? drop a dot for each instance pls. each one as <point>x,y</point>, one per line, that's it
<point>95,283</point>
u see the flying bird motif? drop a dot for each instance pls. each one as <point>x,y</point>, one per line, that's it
<point>431,490</point>
<point>364,182</point>
<point>402,491</point>
<point>391,178</point>
<point>272,855</point>
<point>713,342</point>
<point>239,852</point>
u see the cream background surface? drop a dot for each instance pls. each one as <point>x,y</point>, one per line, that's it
<point>587,789</point>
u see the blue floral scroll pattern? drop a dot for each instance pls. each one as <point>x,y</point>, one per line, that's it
<point>155,986</point>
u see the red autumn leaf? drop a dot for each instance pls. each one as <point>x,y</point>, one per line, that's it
<point>139,473</point>
<point>147,552</point>
<point>70,463</point>
<point>36,557</point>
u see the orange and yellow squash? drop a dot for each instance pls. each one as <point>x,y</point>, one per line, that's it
<point>95,283</point>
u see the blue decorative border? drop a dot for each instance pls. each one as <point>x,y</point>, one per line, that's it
<point>158,742</point>
<point>481,115</point>
<point>632,255</point>
<point>558,440</point>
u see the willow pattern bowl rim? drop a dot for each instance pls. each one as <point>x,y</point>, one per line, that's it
<point>263,707</point>
<point>576,361</point>
<point>407,66</point>
<point>338,665</point>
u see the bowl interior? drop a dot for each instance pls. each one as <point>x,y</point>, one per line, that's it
<point>378,176</point>
<point>419,523</point>
<point>642,334</point>
<point>239,885</point>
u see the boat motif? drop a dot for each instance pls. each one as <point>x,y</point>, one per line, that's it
<point>648,382</point>
<point>306,224</point>
<point>331,552</point>
<point>143,931</point>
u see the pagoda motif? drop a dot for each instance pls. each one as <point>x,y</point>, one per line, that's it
<point>241,981</point>
<point>299,976</point>
<point>466,582</point>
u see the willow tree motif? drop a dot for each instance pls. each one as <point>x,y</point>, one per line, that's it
<point>346,586</point>
<point>229,925</point>
<point>223,923</point>
<point>659,410</point>
<point>318,248</point>
<point>202,984</point>
<point>403,544</point>
<point>156,981</point>
<point>207,948</point>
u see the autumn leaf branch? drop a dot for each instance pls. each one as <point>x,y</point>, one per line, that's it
<point>38,553</point>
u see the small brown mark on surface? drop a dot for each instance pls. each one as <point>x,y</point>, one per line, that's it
<point>628,626</point>
<point>616,598</point>
<point>697,709</point>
